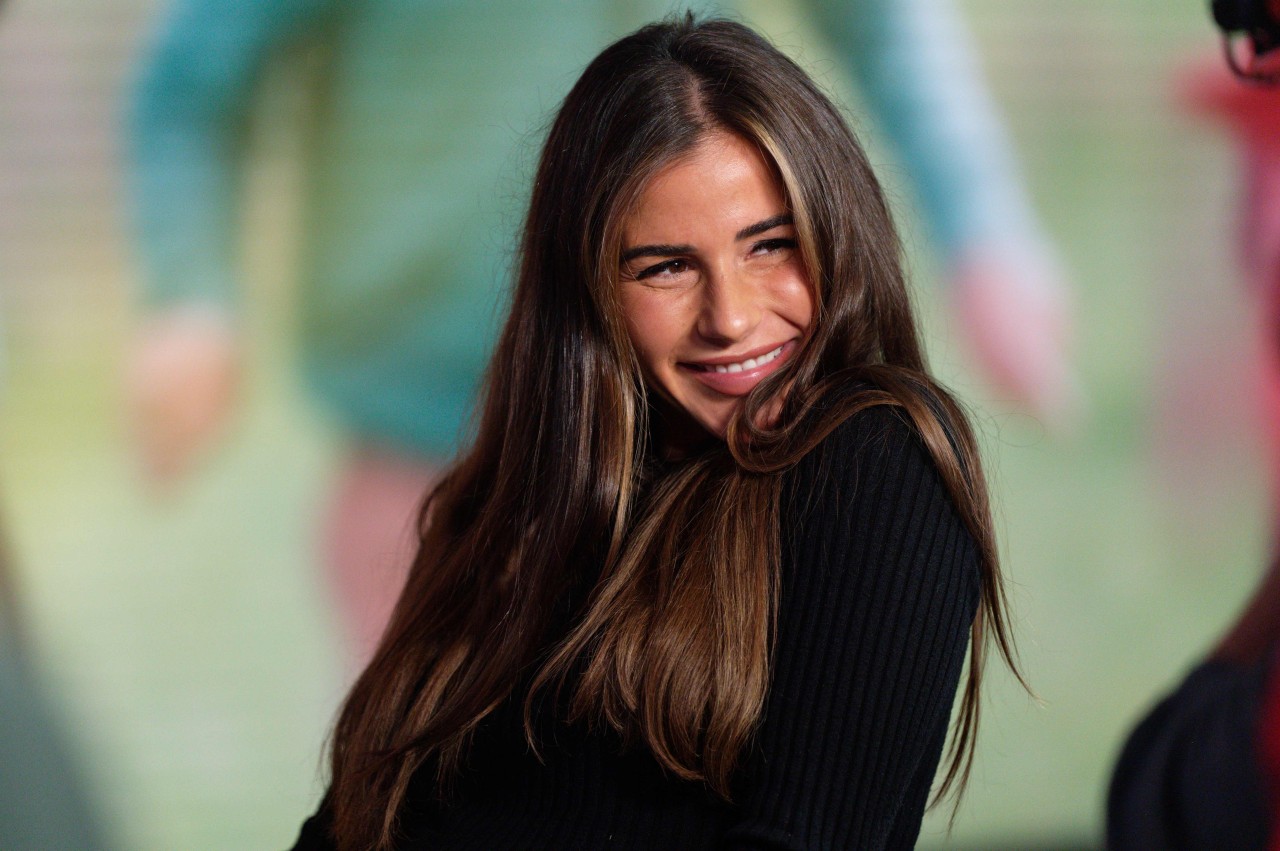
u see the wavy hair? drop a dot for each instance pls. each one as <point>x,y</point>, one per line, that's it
<point>556,555</point>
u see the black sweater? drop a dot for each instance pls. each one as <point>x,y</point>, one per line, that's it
<point>879,586</point>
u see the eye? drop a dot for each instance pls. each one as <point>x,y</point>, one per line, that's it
<point>666,270</point>
<point>773,245</point>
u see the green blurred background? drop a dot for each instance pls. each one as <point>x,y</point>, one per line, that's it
<point>187,638</point>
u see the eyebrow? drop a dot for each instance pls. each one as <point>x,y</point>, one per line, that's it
<point>768,224</point>
<point>746,233</point>
<point>655,251</point>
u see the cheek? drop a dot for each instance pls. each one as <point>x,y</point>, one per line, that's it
<point>650,327</point>
<point>805,318</point>
<point>795,299</point>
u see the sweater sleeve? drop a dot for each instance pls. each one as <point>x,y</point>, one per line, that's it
<point>1190,775</point>
<point>880,584</point>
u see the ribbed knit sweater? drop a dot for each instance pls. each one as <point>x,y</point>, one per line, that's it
<point>879,586</point>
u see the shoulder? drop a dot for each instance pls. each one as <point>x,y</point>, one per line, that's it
<point>871,432</point>
<point>869,499</point>
<point>869,445</point>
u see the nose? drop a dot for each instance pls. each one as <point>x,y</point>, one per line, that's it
<point>730,307</point>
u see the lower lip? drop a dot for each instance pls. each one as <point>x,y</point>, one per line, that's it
<point>740,383</point>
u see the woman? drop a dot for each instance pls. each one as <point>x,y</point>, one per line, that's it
<point>707,574</point>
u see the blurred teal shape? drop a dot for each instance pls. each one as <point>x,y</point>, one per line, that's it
<point>414,187</point>
<point>918,69</point>
<point>43,804</point>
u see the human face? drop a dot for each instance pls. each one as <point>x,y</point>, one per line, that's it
<point>712,285</point>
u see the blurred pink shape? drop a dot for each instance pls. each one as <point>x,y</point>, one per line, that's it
<point>183,380</point>
<point>1017,320</point>
<point>1251,114</point>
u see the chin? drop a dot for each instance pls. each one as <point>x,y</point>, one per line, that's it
<point>718,427</point>
<point>711,416</point>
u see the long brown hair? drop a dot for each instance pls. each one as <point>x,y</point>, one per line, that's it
<point>555,543</point>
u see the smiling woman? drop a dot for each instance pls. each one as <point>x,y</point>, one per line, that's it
<point>707,575</point>
<point>713,289</point>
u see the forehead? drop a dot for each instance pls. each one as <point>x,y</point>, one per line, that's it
<point>723,184</point>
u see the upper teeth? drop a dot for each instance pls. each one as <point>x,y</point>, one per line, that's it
<point>749,363</point>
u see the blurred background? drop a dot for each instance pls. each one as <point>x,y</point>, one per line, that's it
<point>185,641</point>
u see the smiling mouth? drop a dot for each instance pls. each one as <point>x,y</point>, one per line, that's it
<point>740,366</point>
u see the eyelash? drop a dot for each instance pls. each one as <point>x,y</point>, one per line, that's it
<point>768,245</point>
<point>775,244</point>
<point>659,268</point>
